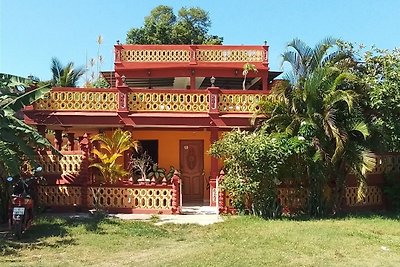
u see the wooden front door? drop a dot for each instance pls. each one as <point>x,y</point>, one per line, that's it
<point>192,165</point>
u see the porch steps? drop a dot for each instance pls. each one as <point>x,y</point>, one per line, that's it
<point>199,210</point>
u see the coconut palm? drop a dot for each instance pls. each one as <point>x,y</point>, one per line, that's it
<point>320,103</point>
<point>65,76</point>
<point>303,59</point>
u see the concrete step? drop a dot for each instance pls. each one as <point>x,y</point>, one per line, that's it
<point>199,210</point>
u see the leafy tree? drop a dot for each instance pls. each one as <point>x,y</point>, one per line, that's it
<point>255,163</point>
<point>111,149</point>
<point>65,76</point>
<point>381,72</point>
<point>163,27</point>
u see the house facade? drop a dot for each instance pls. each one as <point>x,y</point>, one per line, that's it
<point>176,100</point>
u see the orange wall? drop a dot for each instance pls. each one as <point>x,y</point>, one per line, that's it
<point>168,147</point>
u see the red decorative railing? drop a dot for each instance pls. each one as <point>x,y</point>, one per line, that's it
<point>192,54</point>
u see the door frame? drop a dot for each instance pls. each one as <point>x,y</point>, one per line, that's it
<point>201,141</point>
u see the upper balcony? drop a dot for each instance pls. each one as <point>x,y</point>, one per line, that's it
<point>185,55</point>
<point>155,85</point>
<point>124,106</point>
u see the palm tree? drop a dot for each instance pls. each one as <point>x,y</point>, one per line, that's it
<point>246,69</point>
<point>304,60</point>
<point>319,103</point>
<point>111,149</point>
<point>65,76</point>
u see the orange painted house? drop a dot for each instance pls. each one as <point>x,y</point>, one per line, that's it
<point>175,99</point>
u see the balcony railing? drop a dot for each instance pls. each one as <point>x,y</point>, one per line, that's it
<point>79,99</point>
<point>146,100</point>
<point>191,53</point>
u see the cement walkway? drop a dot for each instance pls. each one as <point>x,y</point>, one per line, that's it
<point>201,219</point>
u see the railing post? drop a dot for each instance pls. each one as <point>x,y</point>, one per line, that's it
<point>214,99</point>
<point>85,148</point>
<point>193,60</point>
<point>117,51</point>
<point>58,139</point>
<point>221,194</point>
<point>176,209</point>
<point>214,169</point>
<point>71,141</point>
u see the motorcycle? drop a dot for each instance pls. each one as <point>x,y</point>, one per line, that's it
<point>21,204</point>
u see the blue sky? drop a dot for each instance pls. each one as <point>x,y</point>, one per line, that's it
<point>34,31</point>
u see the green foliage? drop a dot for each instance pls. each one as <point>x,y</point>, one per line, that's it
<point>163,27</point>
<point>65,76</point>
<point>381,73</point>
<point>18,141</point>
<point>318,104</point>
<point>111,149</point>
<point>101,83</point>
<point>156,172</point>
<point>392,190</point>
<point>255,164</point>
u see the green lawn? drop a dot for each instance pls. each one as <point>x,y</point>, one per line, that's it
<point>239,241</point>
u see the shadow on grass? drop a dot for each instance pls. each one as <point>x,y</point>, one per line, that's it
<point>44,227</point>
<point>389,215</point>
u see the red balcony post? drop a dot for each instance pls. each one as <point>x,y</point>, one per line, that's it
<point>71,141</point>
<point>58,139</point>
<point>221,194</point>
<point>85,148</point>
<point>117,51</point>
<point>214,170</point>
<point>214,99</point>
<point>193,59</point>
<point>176,209</point>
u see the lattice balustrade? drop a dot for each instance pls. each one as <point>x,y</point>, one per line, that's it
<point>133,198</point>
<point>387,164</point>
<point>78,100</point>
<point>292,197</point>
<point>223,55</point>
<point>157,101</point>
<point>373,196</point>
<point>155,55</point>
<point>59,195</point>
<point>240,102</point>
<point>52,164</point>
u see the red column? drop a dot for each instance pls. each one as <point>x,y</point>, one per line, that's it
<point>42,130</point>
<point>176,205</point>
<point>193,60</point>
<point>214,99</point>
<point>214,169</point>
<point>221,194</point>
<point>192,79</point>
<point>71,144</point>
<point>85,174</point>
<point>58,139</point>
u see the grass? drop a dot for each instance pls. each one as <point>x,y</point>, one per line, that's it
<point>239,241</point>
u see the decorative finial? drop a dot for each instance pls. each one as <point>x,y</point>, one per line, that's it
<point>117,42</point>
<point>212,80</point>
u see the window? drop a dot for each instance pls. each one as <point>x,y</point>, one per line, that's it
<point>151,147</point>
